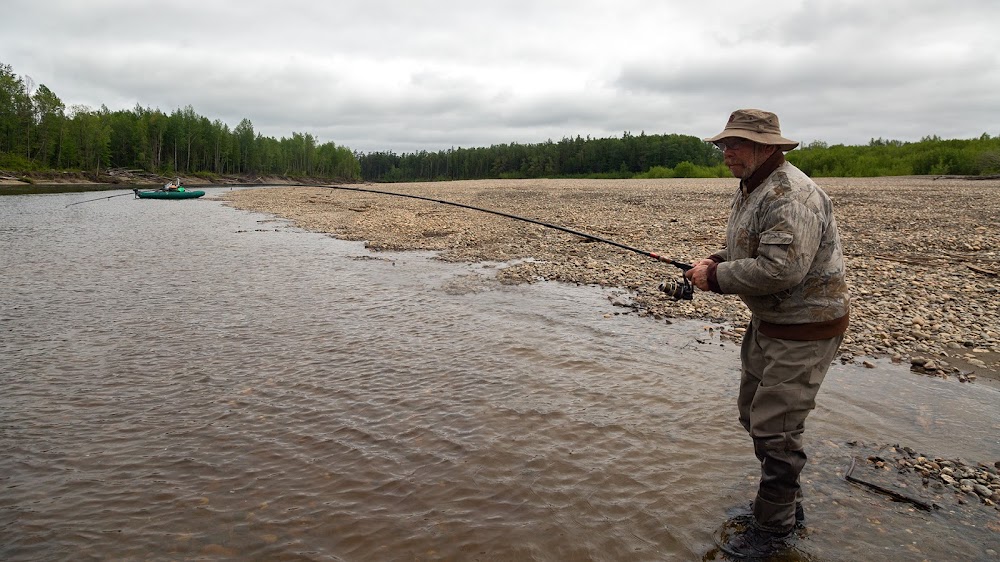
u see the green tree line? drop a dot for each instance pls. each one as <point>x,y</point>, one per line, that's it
<point>38,132</point>
<point>679,156</point>
<point>929,156</point>
<point>623,157</point>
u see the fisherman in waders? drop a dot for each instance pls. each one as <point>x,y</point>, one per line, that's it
<point>783,258</point>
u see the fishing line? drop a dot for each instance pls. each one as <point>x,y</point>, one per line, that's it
<point>98,199</point>
<point>676,289</point>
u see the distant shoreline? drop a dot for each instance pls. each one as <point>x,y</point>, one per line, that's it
<point>30,183</point>
<point>18,183</point>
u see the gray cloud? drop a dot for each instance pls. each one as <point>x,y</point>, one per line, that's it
<point>430,75</point>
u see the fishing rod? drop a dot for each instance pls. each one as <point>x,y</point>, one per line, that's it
<point>98,199</point>
<point>677,290</point>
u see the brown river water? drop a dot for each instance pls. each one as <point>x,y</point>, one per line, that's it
<point>185,381</point>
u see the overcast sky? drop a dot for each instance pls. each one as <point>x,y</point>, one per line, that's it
<point>433,74</point>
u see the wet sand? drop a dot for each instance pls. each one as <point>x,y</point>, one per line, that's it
<point>922,253</point>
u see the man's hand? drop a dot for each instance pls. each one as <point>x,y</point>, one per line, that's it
<point>699,274</point>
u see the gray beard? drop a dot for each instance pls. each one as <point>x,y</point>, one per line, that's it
<point>759,157</point>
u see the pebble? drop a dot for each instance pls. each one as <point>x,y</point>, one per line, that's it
<point>980,481</point>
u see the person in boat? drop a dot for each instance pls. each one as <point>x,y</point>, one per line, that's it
<point>783,258</point>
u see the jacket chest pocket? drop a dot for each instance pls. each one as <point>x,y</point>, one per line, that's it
<point>755,241</point>
<point>777,238</point>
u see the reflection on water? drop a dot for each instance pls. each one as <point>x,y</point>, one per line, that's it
<point>183,380</point>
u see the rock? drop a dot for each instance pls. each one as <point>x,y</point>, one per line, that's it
<point>982,490</point>
<point>622,300</point>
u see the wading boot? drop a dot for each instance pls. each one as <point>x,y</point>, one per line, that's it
<point>744,515</point>
<point>751,542</point>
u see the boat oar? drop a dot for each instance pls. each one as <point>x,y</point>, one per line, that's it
<point>98,199</point>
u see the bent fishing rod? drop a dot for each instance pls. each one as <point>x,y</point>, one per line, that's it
<point>678,290</point>
<point>98,199</point>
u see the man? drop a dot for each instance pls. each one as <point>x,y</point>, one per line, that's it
<point>783,258</point>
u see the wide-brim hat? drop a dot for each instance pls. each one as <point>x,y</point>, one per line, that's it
<point>756,125</point>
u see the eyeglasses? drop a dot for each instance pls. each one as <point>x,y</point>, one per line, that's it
<point>731,144</point>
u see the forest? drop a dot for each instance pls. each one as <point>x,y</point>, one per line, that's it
<point>625,157</point>
<point>39,133</point>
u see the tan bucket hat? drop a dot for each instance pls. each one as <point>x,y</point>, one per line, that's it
<point>755,125</point>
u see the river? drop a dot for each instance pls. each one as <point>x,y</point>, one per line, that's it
<point>183,380</point>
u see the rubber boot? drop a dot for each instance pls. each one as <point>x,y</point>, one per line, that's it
<point>744,514</point>
<point>750,541</point>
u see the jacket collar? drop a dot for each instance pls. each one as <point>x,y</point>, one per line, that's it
<point>762,172</point>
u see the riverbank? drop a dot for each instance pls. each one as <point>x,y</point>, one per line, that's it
<point>923,254</point>
<point>29,183</point>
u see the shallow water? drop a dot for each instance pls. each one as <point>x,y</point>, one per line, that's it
<point>183,380</point>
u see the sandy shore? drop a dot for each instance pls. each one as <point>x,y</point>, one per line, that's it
<point>923,254</point>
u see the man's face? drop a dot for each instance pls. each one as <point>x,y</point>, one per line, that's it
<point>743,157</point>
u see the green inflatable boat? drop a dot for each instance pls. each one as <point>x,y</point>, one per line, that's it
<point>167,194</point>
<point>172,190</point>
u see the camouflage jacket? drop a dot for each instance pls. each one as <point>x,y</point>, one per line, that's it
<point>783,255</point>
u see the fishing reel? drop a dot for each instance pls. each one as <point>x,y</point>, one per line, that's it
<point>678,289</point>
